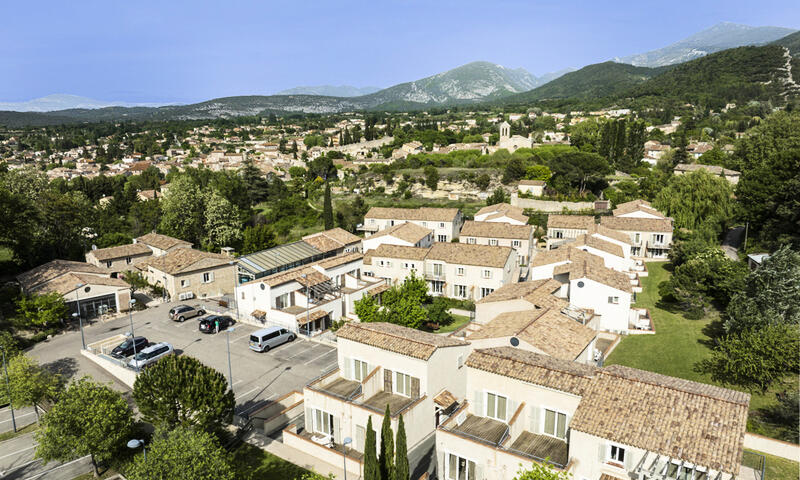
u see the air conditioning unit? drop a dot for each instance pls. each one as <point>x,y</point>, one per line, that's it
<point>185,296</point>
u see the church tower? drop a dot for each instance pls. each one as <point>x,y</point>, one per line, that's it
<point>505,130</point>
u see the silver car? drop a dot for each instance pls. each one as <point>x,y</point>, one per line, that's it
<point>151,355</point>
<point>266,338</point>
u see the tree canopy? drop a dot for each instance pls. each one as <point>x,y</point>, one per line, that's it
<point>182,454</point>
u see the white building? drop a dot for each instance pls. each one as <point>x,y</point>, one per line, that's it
<point>533,188</point>
<point>518,237</point>
<point>512,142</point>
<point>445,222</point>
<point>502,213</point>
<point>405,234</point>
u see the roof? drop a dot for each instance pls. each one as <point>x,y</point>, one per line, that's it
<point>472,228</point>
<point>422,213</point>
<point>578,222</point>
<point>410,232</point>
<point>636,205</point>
<point>444,399</point>
<point>536,292</point>
<point>685,420</point>
<point>160,241</point>
<point>185,260</point>
<point>277,257</point>
<point>598,244</point>
<point>585,268</point>
<point>398,251</point>
<point>546,371</point>
<point>564,254</point>
<point>398,339</point>
<point>53,269</point>
<point>332,239</point>
<point>604,231</point>
<point>466,254</point>
<point>500,210</point>
<point>313,275</point>
<point>535,183</point>
<point>121,251</point>
<point>69,282</point>
<point>547,330</point>
<point>631,224</point>
<point>340,260</point>
<point>713,169</point>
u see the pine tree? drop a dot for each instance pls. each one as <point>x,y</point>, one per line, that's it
<point>371,470</point>
<point>386,455</point>
<point>401,453</point>
<point>327,209</point>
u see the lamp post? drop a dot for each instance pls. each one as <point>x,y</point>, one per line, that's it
<point>308,307</point>
<point>230,371</point>
<point>133,334</point>
<point>136,444</point>
<point>78,314</point>
<point>345,442</point>
<point>8,389</point>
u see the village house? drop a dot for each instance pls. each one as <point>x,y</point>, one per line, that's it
<point>186,273</point>
<point>534,188</point>
<point>161,244</point>
<point>405,234</point>
<point>563,228</point>
<point>502,213</point>
<point>650,237</point>
<point>337,240</point>
<point>512,142</point>
<point>731,176</point>
<point>120,258</point>
<point>445,222</point>
<point>518,237</point>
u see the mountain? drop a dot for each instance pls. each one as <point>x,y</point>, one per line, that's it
<point>791,41</point>
<point>721,36</point>
<point>330,91</point>
<point>64,102</point>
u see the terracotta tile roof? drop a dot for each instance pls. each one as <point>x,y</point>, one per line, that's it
<point>496,230</point>
<point>608,233</point>
<point>629,224</point>
<point>322,243</point>
<point>599,273</point>
<point>713,169</point>
<point>445,399</point>
<point>543,370</point>
<point>397,251</point>
<point>310,317</point>
<point>636,205</point>
<point>547,330</point>
<point>537,292</point>
<point>68,283</point>
<point>121,251</point>
<point>504,208</point>
<point>162,242</point>
<point>599,244</point>
<point>422,213</point>
<point>564,254</point>
<point>536,183</point>
<point>685,420</point>
<point>314,276</point>
<point>410,232</point>
<point>332,239</point>
<point>340,259</point>
<point>466,254</point>
<point>53,269</point>
<point>514,216</point>
<point>398,339</point>
<point>577,222</point>
<point>185,260</point>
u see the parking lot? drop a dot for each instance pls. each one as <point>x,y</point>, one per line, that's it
<point>257,377</point>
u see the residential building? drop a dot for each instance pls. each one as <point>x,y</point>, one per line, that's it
<point>534,188</point>
<point>161,244</point>
<point>120,258</point>
<point>650,237</point>
<point>277,259</point>
<point>731,176</point>
<point>520,297</point>
<point>406,234</point>
<point>83,285</point>
<point>337,240</point>
<point>379,365</point>
<point>188,273</point>
<point>502,213</point>
<point>518,237</point>
<point>614,422</point>
<point>445,222</point>
<point>562,228</point>
<point>308,298</point>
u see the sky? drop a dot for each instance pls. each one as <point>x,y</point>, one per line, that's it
<point>175,51</point>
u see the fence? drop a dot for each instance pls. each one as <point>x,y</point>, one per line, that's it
<point>756,461</point>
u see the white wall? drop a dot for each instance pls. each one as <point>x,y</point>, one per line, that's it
<point>594,295</point>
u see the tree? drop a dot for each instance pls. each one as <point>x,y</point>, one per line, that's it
<point>498,196</point>
<point>182,210</point>
<point>401,453</point>
<point>482,182</point>
<point>431,177</point>
<point>697,201</point>
<point>182,454</point>
<point>386,455</point>
<point>31,384</point>
<point>515,170</point>
<point>222,224</point>
<point>401,304</point>
<point>181,391</point>
<point>578,171</point>
<point>256,238</point>
<point>438,312</point>
<point>538,172</point>
<point>42,310</point>
<point>88,419</point>
<point>540,471</point>
<point>327,209</point>
<point>371,467</point>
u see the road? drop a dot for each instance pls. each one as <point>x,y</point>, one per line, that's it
<point>23,416</point>
<point>17,462</point>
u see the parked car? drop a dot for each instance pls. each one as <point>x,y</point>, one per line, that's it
<point>151,354</point>
<point>266,338</point>
<point>182,312</point>
<point>207,325</point>
<point>129,347</point>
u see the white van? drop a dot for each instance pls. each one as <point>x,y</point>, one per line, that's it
<point>151,354</point>
<point>270,337</point>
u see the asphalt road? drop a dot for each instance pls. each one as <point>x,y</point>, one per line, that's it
<point>17,462</point>
<point>24,416</point>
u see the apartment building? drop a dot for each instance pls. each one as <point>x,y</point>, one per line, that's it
<point>456,270</point>
<point>650,237</point>
<point>404,234</point>
<point>615,422</point>
<point>517,236</point>
<point>186,273</point>
<point>307,299</point>
<point>502,213</point>
<point>120,258</point>
<point>563,228</point>
<point>445,222</point>
<point>379,364</point>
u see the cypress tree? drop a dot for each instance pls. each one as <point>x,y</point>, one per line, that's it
<point>327,209</point>
<point>371,469</point>
<point>401,453</point>
<point>386,455</point>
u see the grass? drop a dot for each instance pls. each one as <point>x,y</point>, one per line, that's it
<point>108,473</point>
<point>679,344</point>
<point>20,431</point>
<point>778,468</point>
<point>251,463</point>
<point>458,321</point>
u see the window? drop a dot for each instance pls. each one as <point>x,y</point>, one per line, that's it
<point>282,301</point>
<point>460,271</point>
<point>402,384</point>
<point>616,454</point>
<point>437,286</point>
<point>323,422</point>
<point>613,300</point>
<point>425,224</point>
<point>496,406</point>
<point>381,263</point>
<point>185,283</point>
<point>372,221</point>
<point>360,370</point>
<point>208,277</point>
<point>442,238</point>
<point>555,424</point>
<point>128,260</point>
<point>493,242</point>
<point>460,291</point>
<point>487,274</point>
<point>460,468</point>
<point>486,291</point>
<point>441,225</point>
<point>658,238</point>
<point>637,237</point>
<point>516,243</point>
<point>471,240</point>
<point>243,295</point>
<point>109,263</point>
<point>559,234</point>
<point>437,269</point>
<point>388,263</point>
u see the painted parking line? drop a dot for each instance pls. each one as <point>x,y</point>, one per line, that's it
<point>56,468</point>
<point>17,416</point>
<point>243,336</point>
<point>246,393</point>
<point>18,451</point>
<point>303,351</point>
<point>320,356</point>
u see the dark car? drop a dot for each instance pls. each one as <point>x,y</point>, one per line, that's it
<point>208,324</point>
<point>182,312</point>
<point>125,349</point>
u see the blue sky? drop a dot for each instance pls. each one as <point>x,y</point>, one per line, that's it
<point>185,51</point>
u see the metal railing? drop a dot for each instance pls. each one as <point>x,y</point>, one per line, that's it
<point>756,461</point>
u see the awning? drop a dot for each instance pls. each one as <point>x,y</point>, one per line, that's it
<point>379,289</point>
<point>260,314</point>
<point>304,319</point>
<point>444,399</point>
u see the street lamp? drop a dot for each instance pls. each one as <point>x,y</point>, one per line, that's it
<point>78,314</point>
<point>8,390</point>
<point>133,335</point>
<point>345,442</point>
<point>308,307</point>
<point>133,444</point>
<point>230,372</point>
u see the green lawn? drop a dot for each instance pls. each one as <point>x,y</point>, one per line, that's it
<point>458,321</point>
<point>20,431</point>
<point>778,468</point>
<point>678,344</point>
<point>251,463</point>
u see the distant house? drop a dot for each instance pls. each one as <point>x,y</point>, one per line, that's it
<point>563,228</point>
<point>502,213</point>
<point>518,237</point>
<point>731,176</point>
<point>754,260</point>
<point>531,187</point>
<point>161,244</point>
<point>512,142</point>
<point>406,234</point>
<point>335,240</point>
<point>445,222</point>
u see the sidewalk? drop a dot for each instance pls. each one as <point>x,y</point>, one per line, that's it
<point>297,457</point>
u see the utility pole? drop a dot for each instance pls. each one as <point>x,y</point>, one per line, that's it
<point>8,389</point>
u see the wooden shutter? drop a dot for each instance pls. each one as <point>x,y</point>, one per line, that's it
<point>479,409</point>
<point>629,460</point>
<point>309,425</point>
<point>348,368</point>
<point>387,381</point>
<point>414,388</point>
<point>337,434</point>
<point>535,421</point>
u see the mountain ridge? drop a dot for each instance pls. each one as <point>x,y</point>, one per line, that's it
<point>63,101</point>
<point>330,90</point>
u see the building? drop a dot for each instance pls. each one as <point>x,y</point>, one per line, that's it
<point>512,142</point>
<point>161,244</point>
<point>731,176</point>
<point>186,273</point>
<point>534,188</point>
<point>518,237</point>
<point>379,365</point>
<point>120,258</point>
<point>445,222</point>
<point>650,232</point>
<point>502,213</point>
<point>337,240</point>
<point>562,228</point>
<point>277,259</point>
<point>605,423</point>
<point>456,270</point>
<point>405,234</point>
<point>80,284</point>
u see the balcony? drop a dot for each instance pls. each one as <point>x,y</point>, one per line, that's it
<point>481,429</point>
<point>639,321</point>
<point>334,385</point>
<point>541,447</point>
<point>432,275</point>
<point>367,228</point>
<point>397,403</point>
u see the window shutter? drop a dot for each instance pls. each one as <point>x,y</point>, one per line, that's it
<point>479,409</point>
<point>309,425</point>
<point>478,475</point>
<point>387,381</point>
<point>628,460</point>
<point>348,368</point>
<point>414,388</point>
<point>512,409</point>
<point>210,276</point>
<point>337,434</point>
<point>535,422</point>
<point>601,454</point>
